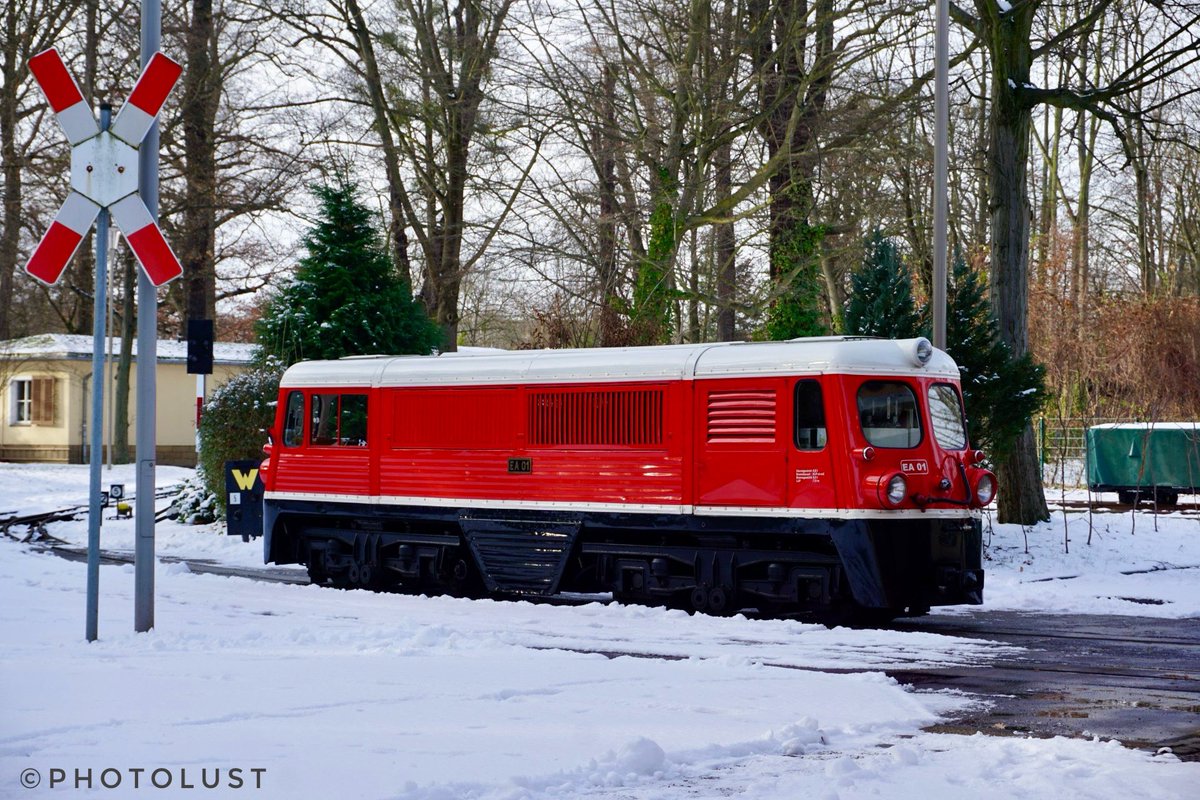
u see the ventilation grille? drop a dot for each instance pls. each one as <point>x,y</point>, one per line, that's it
<point>741,416</point>
<point>630,417</point>
<point>521,556</point>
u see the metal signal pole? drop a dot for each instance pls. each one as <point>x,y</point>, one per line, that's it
<point>147,359</point>
<point>96,450</point>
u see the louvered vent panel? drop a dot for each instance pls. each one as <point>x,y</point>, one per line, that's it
<point>741,416</point>
<point>631,417</point>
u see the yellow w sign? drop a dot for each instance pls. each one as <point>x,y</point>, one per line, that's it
<point>245,480</point>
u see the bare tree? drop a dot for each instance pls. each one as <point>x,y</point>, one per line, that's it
<point>29,26</point>
<point>1014,43</point>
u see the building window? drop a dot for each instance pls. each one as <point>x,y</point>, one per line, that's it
<point>32,401</point>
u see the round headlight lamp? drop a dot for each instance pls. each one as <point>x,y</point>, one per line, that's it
<point>985,489</point>
<point>922,351</point>
<point>897,488</point>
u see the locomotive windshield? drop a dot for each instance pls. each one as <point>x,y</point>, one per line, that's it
<point>887,412</point>
<point>946,414</point>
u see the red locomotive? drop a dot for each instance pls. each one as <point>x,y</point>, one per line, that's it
<point>808,475</point>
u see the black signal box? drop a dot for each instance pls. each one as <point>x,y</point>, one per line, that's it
<point>200,347</point>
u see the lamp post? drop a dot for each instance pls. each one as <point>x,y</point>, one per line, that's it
<point>941,114</point>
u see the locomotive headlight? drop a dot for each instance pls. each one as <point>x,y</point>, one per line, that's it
<point>922,351</point>
<point>897,487</point>
<point>985,489</point>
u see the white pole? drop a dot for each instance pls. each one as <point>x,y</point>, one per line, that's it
<point>200,387</point>
<point>941,114</point>
<point>147,360</point>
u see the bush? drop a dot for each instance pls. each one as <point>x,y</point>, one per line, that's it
<point>196,504</point>
<point>234,424</point>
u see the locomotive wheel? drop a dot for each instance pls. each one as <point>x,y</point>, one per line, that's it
<point>353,574</point>
<point>700,599</point>
<point>366,576</point>
<point>464,580</point>
<point>720,601</point>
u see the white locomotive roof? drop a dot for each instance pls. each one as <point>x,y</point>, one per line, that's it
<point>843,355</point>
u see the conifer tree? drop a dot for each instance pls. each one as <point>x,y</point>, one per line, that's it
<point>881,299</point>
<point>1001,391</point>
<point>345,298</point>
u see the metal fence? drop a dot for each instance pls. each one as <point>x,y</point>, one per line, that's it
<point>1062,447</point>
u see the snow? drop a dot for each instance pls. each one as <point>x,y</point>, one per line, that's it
<point>1141,564</point>
<point>67,345</point>
<point>1004,6</point>
<point>1149,426</point>
<point>354,694</point>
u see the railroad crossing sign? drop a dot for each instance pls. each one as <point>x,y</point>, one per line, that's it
<point>104,169</point>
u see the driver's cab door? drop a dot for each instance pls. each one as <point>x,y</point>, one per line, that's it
<point>809,462</point>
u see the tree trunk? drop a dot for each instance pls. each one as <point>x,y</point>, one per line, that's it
<point>609,322</point>
<point>27,29</point>
<point>121,452</point>
<point>198,111</point>
<point>726,250</point>
<point>81,273</point>
<point>1022,499</point>
<point>397,236</point>
<point>10,237</point>
<point>835,289</point>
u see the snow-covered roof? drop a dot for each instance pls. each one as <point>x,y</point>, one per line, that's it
<point>843,355</point>
<point>1149,426</point>
<point>77,346</point>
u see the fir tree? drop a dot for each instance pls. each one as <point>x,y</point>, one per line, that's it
<point>345,298</point>
<point>881,299</point>
<point>1001,392</point>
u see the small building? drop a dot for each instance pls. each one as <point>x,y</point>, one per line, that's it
<point>46,386</point>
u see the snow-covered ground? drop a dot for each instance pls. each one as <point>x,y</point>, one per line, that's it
<point>352,694</point>
<point>1142,564</point>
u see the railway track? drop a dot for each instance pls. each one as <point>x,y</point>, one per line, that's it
<point>1125,678</point>
<point>11,519</point>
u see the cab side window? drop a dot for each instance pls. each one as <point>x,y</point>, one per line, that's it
<point>293,421</point>
<point>352,420</point>
<point>338,419</point>
<point>810,416</point>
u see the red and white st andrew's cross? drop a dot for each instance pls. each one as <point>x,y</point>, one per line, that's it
<point>104,169</point>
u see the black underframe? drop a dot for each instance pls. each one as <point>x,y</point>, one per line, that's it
<point>786,562</point>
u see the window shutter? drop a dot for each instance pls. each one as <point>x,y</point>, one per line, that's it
<point>43,401</point>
